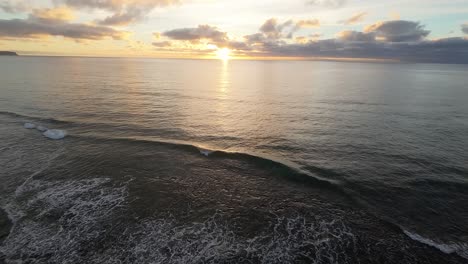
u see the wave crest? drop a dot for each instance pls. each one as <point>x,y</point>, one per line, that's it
<point>460,249</point>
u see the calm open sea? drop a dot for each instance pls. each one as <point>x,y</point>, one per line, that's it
<point>193,161</point>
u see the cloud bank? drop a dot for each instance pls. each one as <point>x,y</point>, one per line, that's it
<point>401,40</point>
<point>395,39</point>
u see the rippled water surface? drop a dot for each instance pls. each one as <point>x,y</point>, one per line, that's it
<point>192,161</point>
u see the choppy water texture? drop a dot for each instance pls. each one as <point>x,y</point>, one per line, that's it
<point>173,161</point>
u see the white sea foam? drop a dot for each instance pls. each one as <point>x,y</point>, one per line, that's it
<point>80,211</point>
<point>55,134</point>
<point>26,185</point>
<point>164,241</point>
<point>61,222</point>
<point>41,128</point>
<point>29,125</point>
<point>459,248</point>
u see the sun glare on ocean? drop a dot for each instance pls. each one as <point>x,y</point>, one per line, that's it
<point>223,54</point>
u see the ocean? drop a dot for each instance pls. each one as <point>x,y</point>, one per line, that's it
<point>210,161</point>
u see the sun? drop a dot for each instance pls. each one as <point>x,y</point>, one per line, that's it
<point>223,54</point>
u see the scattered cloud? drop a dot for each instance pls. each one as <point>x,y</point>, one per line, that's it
<point>124,12</point>
<point>14,6</point>
<point>272,29</point>
<point>398,31</point>
<point>327,3</point>
<point>394,40</point>
<point>359,17</point>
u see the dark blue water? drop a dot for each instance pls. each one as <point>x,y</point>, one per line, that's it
<point>187,161</point>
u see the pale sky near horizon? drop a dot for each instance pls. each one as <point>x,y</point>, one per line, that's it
<point>261,28</point>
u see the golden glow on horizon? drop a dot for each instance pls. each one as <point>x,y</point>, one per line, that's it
<point>223,54</point>
<point>230,30</point>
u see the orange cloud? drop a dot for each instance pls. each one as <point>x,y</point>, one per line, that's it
<point>58,14</point>
<point>311,23</point>
<point>301,40</point>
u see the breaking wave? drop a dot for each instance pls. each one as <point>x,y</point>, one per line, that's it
<point>281,167</point>
<point>457,248</point>
<point>212,241</point>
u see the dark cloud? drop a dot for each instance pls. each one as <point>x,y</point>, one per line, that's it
<point>440,51</point>
<point>391,40</point>
<point>211,34</point>
<point>201,32</point>
<point>398,31</point>
<point>34,27</point>
<point>359,17</point>
<point>356,36</point>
<point>327,3</point>
<point>255,38</point>
<point>450,50</point>
<point>464,28</point>
<point>272,29</point>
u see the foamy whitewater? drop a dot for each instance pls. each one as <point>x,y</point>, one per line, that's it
<point>173,161</point>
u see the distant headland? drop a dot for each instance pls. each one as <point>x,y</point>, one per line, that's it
<point>8,53</point>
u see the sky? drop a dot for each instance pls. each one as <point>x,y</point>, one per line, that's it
<point>397,30</point>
